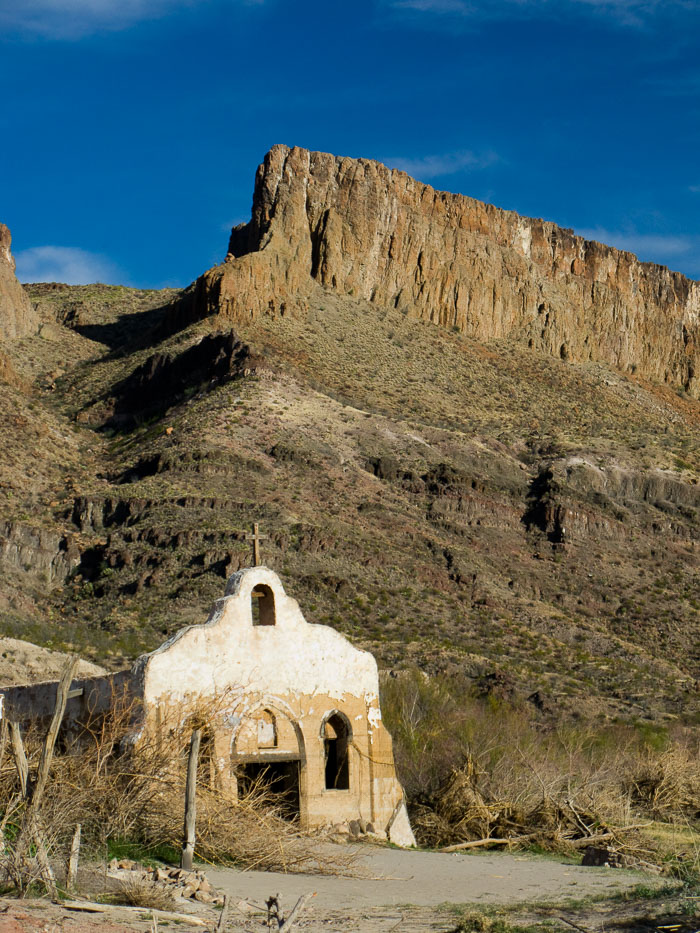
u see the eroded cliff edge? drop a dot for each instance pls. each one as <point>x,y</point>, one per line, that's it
<point>17,315</point>
<point>364,230</point>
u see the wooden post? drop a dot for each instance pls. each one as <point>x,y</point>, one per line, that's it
<point>190,802</point>
<point>3,746</point>
<point>296,910</point>
<point>72,873</point>
<point>20,757</point>
<point>3,733</point>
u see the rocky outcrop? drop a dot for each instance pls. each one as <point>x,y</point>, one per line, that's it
<point>364,230</point>
<point>17,315</point>
<point>164,379</point>
<point>43,555</point>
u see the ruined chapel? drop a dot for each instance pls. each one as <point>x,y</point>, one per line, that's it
<point>295,704</point>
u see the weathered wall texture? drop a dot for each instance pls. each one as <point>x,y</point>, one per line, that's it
<point>368,231</point>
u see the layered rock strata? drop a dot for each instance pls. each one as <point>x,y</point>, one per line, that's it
<point>362,229</point>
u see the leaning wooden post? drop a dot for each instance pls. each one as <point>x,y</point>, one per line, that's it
<point>20,757</point>
<point>30,830</point>
<point>62,692</point>
<point>190,802</point>
<point>3,732</point>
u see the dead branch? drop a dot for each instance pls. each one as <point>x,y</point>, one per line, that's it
<point>476,843</point>
<point>296,910</point>
<point>604,837</point>
<point>93,908</point>
<point>223,916</point>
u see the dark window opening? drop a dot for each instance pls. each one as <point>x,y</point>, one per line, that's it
<point>279,778</point>
<point>263,605</point>
<point>335,748</point>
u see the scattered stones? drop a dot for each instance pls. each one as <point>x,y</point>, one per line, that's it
<point>189,885</point>
<point>354,831</point>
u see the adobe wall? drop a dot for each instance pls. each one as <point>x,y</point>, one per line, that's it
<point>34,703</point>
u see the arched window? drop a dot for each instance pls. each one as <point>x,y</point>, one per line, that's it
<point>336,742</point>
<point>263,605</point>
<point>267,729</point>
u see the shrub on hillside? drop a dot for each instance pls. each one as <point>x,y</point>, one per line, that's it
<point>475,767</point>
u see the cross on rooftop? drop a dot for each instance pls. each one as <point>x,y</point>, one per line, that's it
<point>256,538</point>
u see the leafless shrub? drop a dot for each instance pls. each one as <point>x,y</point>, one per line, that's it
<point>140,892</point>
<point>476,769</point>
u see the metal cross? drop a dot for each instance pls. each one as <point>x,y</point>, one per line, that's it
<point>256,538</point>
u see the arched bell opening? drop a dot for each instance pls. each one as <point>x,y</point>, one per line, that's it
<point>262,605</point>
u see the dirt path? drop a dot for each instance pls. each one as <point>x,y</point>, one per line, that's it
<point>394,890</point>
<point>427,879</point>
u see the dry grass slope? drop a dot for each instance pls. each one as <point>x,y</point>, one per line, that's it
<point>485,510</point>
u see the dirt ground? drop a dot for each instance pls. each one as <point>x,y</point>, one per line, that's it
<point>391,890</point>
<point>390,877</point>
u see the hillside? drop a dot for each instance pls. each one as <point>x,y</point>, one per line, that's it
<point>446,496</point>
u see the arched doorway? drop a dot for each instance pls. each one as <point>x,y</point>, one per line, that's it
<point>268,758</point>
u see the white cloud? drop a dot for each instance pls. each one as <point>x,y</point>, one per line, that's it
<point>67,264</point>
<point>650,246</point>
<point>434,6</point>
<point>433,166</point>
<point>694,188</point>
<point>73,19</point>
<point>625,12</point>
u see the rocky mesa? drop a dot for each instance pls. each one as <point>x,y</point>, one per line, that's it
<point>361,229</point>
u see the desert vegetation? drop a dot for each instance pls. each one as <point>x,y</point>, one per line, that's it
<point>485,768</point>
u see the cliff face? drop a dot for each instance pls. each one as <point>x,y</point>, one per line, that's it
<point>364,230</point>
<point>17,315</point>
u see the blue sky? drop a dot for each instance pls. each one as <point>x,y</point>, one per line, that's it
<point>132,128</point>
